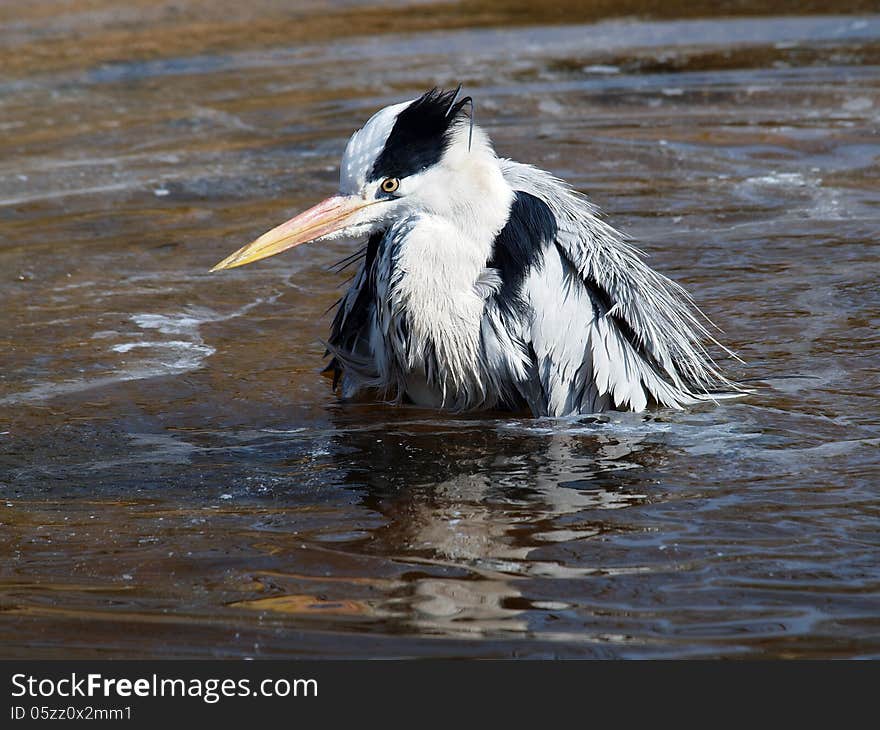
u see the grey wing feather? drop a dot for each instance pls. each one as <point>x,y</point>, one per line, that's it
<point>608,331</point>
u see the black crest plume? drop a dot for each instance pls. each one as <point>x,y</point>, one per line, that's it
<point>420,135</point>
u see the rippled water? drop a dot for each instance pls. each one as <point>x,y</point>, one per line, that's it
<point>177,479</point>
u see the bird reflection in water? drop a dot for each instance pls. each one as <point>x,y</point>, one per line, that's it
<point>472,507</point>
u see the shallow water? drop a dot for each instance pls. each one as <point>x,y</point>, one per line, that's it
<point>176,477</point>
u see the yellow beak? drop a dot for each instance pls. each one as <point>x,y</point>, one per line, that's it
<point>328,216</point>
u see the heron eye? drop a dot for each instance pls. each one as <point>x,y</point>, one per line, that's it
<point>390,184</point>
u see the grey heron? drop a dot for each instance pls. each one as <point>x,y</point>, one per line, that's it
<point>485,283</point>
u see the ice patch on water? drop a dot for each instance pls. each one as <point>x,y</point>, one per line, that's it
<point>598,68</point>
<point>183,351</point>
<point>786,179</point>
<point>185,355</point>
<point>129,346</point>
<point>551,108</point>
<point>815,200</point>
<point>827,206</point>
<point>858,104</point>
<point>187,350</point>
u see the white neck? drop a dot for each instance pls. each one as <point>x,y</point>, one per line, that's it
<point>444,248</point>
<point>468,189</point>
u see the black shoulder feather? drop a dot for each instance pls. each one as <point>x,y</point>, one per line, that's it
<point>519,247</point>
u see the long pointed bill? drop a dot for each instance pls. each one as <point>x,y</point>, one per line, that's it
<point>328,216</point>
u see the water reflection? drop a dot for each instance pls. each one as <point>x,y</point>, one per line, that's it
<point>477,500</point>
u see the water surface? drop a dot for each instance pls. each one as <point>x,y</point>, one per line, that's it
<point>178,480</point>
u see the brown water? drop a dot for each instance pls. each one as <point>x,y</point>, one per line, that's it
<point>177,479</point>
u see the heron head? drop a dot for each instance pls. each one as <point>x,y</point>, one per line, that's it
<point>421,156</point>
